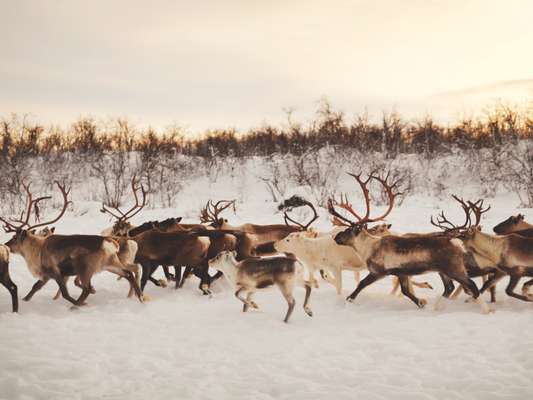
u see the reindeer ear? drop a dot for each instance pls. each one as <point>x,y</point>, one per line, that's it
<point>52,229</point>
<point>178,219</point>
<point>388,226</point>
<point>33,231</point>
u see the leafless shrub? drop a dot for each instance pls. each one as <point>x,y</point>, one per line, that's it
<point>517,171</point>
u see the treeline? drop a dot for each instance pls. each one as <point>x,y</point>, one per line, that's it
<point>491,153</point>
<point>393,135</point>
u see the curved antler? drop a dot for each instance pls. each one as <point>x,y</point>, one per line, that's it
<point>23,221</point>
<point>211,211</point>
<point>446,225</point>
<point>135,209</point>
<point>294,202</point>
<point>478,210</point>
<point>64,192</point>
<point>390,188</point>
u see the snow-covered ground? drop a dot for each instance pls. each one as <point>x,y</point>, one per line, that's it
<point>184,345</point>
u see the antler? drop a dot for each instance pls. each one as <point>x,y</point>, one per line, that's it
<point>23,221</point>
<point>392,193</point>
<point>211,211</point>
<point>442,221</point>
<point>18,224</point>
<point>293,202</point>
<point>478,210</point>
<point>135,209</point>
<point>64,192</point>
<point>389,188</point>
<point>338,219</point>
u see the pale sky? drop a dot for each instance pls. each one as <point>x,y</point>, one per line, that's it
<point>207,64</point>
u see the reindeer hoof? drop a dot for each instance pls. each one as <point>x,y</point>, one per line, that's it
<point>422,303</point>
<point>254,305</point>
<point>308,311</point>
<point>163,282</point>
<point>145,297</point>
<point>349,299</point>
<point>428,286</point>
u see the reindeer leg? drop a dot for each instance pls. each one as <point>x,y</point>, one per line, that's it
<point>217,276</point>
<point>167,273</point>
<point>146,272</point>
<point>406,290</point>
<point>238,295</point>
<point>35,288</point>
<point>395,285</point>
<point>202,272</point>
<point>492,290</point>
<point>338,281</point>
<point>77,282</point>
<point>5,279</point>
<point>448,290</point>
<point>286,290</point>
<point>470,287</point>
<point>307,308</point>
<point>64,291</point>
<point>513,281</point>
<point>177,275</point>
<point>493,280</point>
<point>186,274</point>
<point>367,280</point>
<point>249,300</point>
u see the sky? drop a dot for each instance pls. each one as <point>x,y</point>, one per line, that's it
<point>219,64</point>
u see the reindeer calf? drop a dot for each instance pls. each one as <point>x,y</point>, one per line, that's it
<point>259,272</point>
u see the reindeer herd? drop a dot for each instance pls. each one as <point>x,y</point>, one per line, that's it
<point>287,255</point>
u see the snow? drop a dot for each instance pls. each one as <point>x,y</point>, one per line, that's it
<point>188,346</point>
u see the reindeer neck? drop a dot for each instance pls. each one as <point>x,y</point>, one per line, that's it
<point>365,244</point>
<point>487,245</point>
<point>31,251</point>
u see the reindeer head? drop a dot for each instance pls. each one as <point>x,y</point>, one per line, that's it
<point>512,224</point>
<point>122,225</point>
<point>21,227</point>
<point>355,228</point>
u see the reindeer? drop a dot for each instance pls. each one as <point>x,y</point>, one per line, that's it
<point>58,256</point>
<point>512,254</point>
<point>122,230</point>
<point>323,251</point>
<point>405,256</point>
<point>5,279</point>
<point>259,272</point>
<point>476,264</point>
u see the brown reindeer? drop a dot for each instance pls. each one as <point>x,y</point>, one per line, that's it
<point>5,279</point>
<point>405,256</point>
<point>341,223</point>
<point>122,230</point>
<point>58,256</point>
<point>512,254</point>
